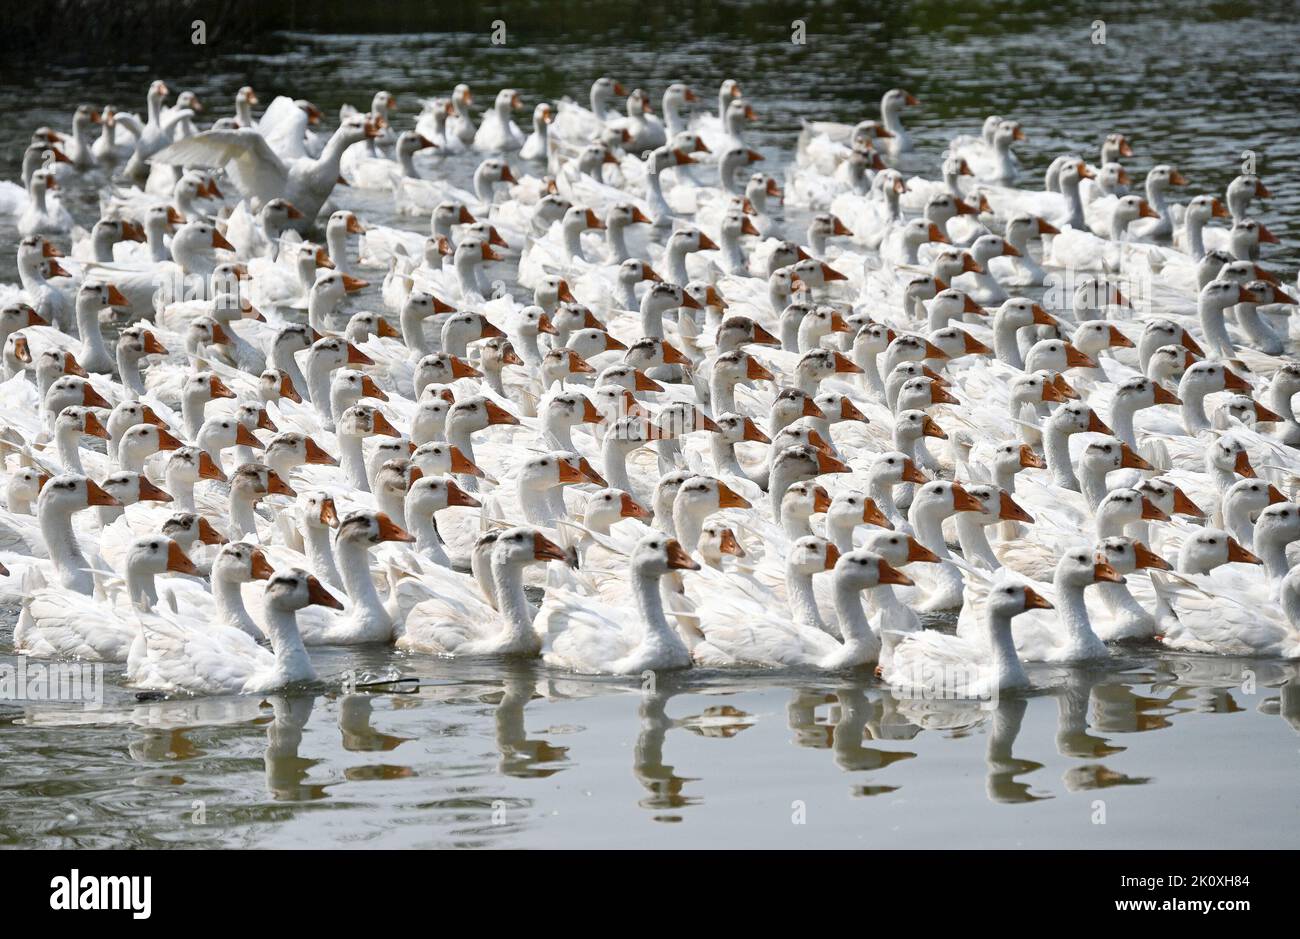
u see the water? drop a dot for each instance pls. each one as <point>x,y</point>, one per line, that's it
<point>1154,750</point>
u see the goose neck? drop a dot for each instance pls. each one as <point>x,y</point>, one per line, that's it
<point>65,553</point>
<point>803,600</point>
<point>659,637</point>
<point>1056,451</point>
<point>1006,663</point>
<point>354,463</point>
<point>511,601</point>
<point>292,664</point>
<point>855,628</point>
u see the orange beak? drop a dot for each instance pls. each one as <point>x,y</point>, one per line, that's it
<point>177,561</point>
<point>1029,459</point>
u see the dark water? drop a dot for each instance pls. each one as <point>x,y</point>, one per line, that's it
<point>1155,750</point>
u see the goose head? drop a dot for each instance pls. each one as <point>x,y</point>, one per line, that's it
<point>188,465</point>
<point>1093,336</point>
<point>804,462</point>
<point>516,547</point>
<point>24,486</point>
<point>129,488</point>
<point>202,387</point>
<point>1011,457</point>
<point>736,331</point>
<point>1082,567</point>
<point>1127,555</point>
<point>656,554</point>
<point>1251,495</point>
<point>1204,378</point>
<point>76,420</point>
<point>1168,497</point>
<point>72,390</point>
<point>254,481</point>
<point>157,554</point>
<point>1242,191</point>
<point>1209,548</point>
<point>817,365</point>
<point>951,303</point>
<point>442,368</point>
<point>1106,453</point>
<point>954,343</point>
<point>370,528</point>
<point>922,392</point>
<point>998,504</point>
<point>850,508</point>
<point>141,441</point>
<point>791,404</point>
<point>136,342</point>
<point>1244,409</point>
<point>1200,209</point>
<point>429,494</point>
<point>1228,455</point>
<point>801,432</point>
<point>736,428</point>
<point>1075,417</point>
<point>1169,363</point>
<point>941,498</point>
<point>477,413</point>
<point>241,563</point>
<point>69,493</point>
<point>653,352</point>
<point>317,510</point>
<point>716,541</point>
<point>1057,355</point>
<point>189,527</point>
<point>1123,506</point>
<point>911,425</point>
<point>291,448</point>
<point>871,339</point>
<point>839,407</point>
<point>863,570</point>
<point>295,589</point>
<point>223,431</point>
<point>683,417</point>
<point>129,413</point>
<point>364,420</point>
<point>606,506</point>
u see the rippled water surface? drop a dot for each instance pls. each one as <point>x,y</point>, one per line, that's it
<point>1153,750</point>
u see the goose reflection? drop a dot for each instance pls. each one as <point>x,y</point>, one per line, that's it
<point>1001,783</point>
<point>355,712</point>
<point>286,771</point>
<point>1092,699</point>
<point>852,712</point>
<point>665,789</point>
<point>521,756</point>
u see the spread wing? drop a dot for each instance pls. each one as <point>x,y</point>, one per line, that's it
<point>259,173</point>
<point>284,125</point>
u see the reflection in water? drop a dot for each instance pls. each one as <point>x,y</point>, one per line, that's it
<point>1003,768</point>
<point>519,755</point>
<point>286,771</point>
<point>854,712</point>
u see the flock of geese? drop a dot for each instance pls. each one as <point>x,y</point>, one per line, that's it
<point>614,370</point>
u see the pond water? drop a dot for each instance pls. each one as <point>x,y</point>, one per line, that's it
<point>1152,750</point>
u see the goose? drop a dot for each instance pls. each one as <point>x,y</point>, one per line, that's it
<point>933,663</point>
<point>1212,606</point>
<point>1062,637</point>
<point>776,641</point>
<point>934,501</point>
<point>261,175</point>
<point>183,659</point>
<point>43,216</point>
<point>456,622</point>
<point>66,623</point>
